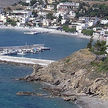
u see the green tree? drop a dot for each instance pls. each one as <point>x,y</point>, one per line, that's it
<point>100,47</point>
<point>67,29</point>
<point>10,21</point>
<point>87,32</point>
<point>89,45</point>
<point>50,16</point>
<point>34,14</point>
<point>59,18</point>
<point>32,2</point>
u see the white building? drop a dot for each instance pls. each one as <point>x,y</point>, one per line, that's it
<point>72,14</point>
<point>80,27</point>
<point>20,15</point>
<point>67,6</point>
<point>104,21</point>
<point>27,1</point>
<point>2,19</point>
<point>50,7</point>
<point>63,21</point>
<point>45,23</point>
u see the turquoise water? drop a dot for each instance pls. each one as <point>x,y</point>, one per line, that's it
<point>61,46</point>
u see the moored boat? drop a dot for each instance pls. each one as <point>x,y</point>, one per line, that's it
<point>31,33</point>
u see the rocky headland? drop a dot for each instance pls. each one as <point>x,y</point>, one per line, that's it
<point>73,76</point>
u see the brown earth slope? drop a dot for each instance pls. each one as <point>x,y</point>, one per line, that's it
<point>74,75</point>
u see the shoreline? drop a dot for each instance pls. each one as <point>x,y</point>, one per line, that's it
<point>51,31</point>
<point>91,102</point>
<point>47,30</point>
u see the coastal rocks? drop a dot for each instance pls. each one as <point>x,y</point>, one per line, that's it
<point>25,93</point>
<point>74,73</point>
<point>22,93</point>
<point>71,98</point>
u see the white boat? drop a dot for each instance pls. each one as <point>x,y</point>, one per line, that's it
<point>21,53</point>
<point>31,33</point>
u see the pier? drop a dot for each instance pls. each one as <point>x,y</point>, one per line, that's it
<point>22,50</point>
<point>23,60</point>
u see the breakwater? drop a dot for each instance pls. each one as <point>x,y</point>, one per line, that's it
<point>23,60</point>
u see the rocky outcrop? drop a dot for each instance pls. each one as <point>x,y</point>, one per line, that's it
<point>73,75</point>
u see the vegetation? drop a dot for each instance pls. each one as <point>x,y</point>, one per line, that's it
<point>99,10</point>
<point>34,14</point>
<point>87,32</point>
<point>23,3</point>
<point>89,45</point>
<point>12,22</point>
<point>67,29</point>
<point>100,47</point>
<point>60,18</point>
<point>103,66</point>
<point>50,16</point>
<point>33,2</point>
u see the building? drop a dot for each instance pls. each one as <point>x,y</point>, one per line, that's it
<point>81,26</point>
<point>50,1</point>
<point>104,21</point>
<point>2,19</point>
<point>67,7</point>
<point>45,22</point>
<point>50,7</point>
<point>26,1</point>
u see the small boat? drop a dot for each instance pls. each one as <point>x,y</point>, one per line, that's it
<point>21,53</point>
<point>31,33</point>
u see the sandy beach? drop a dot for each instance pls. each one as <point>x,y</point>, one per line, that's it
<point>92,102</point>
<point>48,30</point>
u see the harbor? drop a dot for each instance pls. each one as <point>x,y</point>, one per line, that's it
<point>23,50</point>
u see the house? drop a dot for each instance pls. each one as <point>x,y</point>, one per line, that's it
<point>81,26</point>
<point>50,1</point>
<point>26,1</point>
<point>72,14</point>
<point>42,13</point>
<point>22,13</point>
<point>22,16</point>
<point>50,7</point>
<point>84,19</point>
<point>104,21</point>
<point>2,19</point>
<point>46,22</point>
<point>66,7</point>
<point>63,21</point>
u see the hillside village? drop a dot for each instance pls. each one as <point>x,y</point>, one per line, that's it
<point>73,17</point>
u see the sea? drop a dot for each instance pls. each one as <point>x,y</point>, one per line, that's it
<point>60,45</point>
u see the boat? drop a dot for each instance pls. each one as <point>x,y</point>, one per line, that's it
<point>21,53</point>
<point>31,33</point>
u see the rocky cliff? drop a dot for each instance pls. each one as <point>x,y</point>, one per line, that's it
<point>74,74</point>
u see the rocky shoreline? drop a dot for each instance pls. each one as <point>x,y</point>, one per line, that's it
<point>73,78</point>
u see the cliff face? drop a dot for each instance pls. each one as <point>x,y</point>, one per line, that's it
<point>74,75</point>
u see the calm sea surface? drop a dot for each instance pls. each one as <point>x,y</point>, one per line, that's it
<point>61,46</point>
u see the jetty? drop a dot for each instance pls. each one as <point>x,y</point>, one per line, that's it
<point>22,50</point>
<point>24,60</point>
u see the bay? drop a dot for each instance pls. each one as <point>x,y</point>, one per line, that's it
<point>61,46</point>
